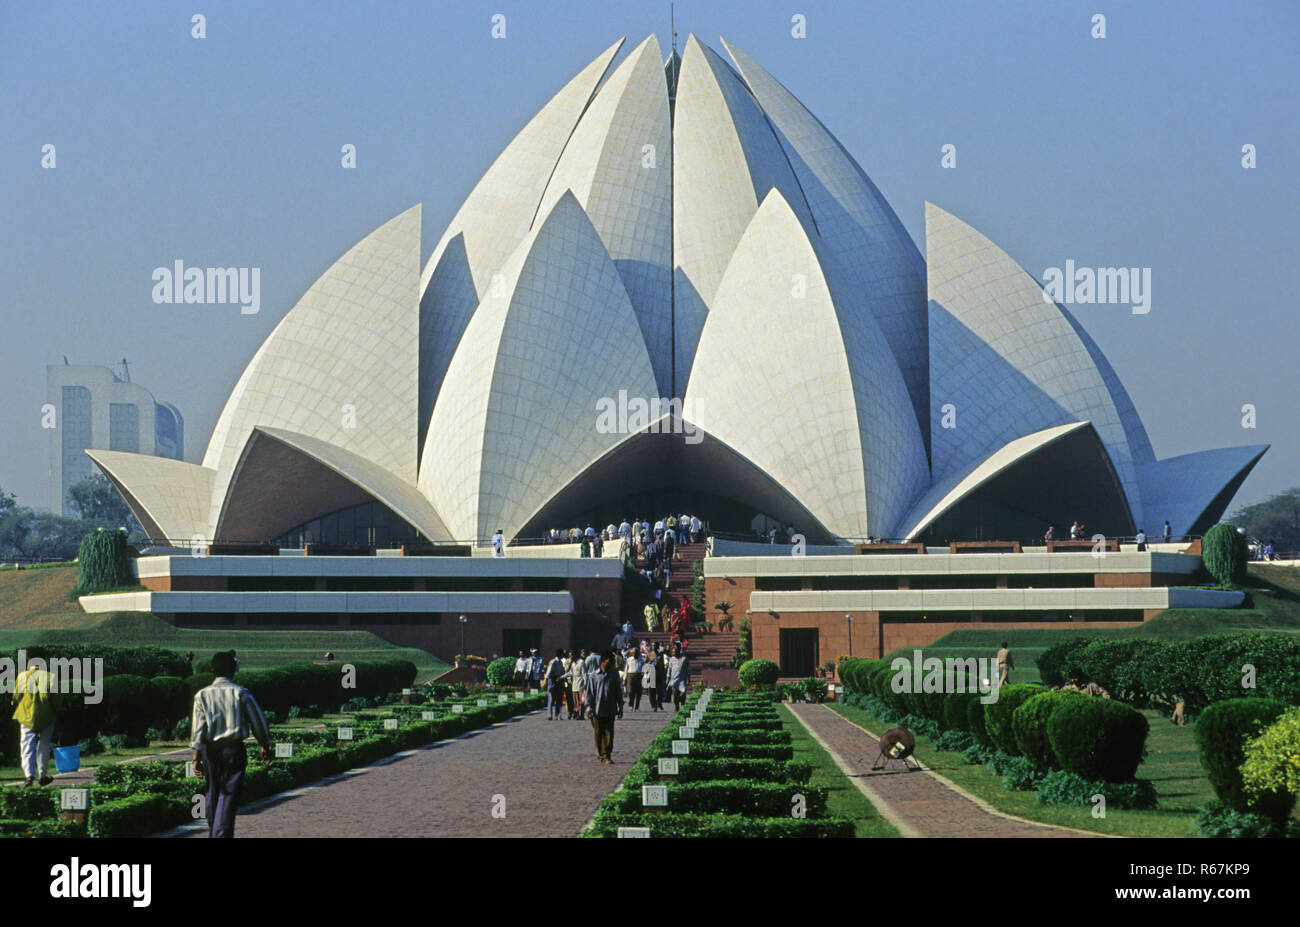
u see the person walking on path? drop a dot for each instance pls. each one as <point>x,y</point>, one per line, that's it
<point>521,670</point>
<point>635,664</point>
<point>36,706</point>
<point>536,668</point>
<point>605,697</point>
<point>650,680</point>
<point>578,685</point>
<point>224,714</point>
<point>679,675</point>
<point>1005,665</point>
<point>555,674</point>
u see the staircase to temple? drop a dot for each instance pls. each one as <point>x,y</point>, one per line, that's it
<point>710,652</point>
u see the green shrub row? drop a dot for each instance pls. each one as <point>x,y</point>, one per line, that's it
<point>1198,672</point>
<point>721,825</point>
<point>733,796</point>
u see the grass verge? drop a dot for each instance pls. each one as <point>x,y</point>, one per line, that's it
<point>843,798</point>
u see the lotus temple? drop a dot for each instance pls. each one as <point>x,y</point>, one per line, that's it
<point>679,230</point>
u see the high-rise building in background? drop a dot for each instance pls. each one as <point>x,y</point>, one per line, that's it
<point>99,407</point>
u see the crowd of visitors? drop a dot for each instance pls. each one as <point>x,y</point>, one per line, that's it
<point>676,529</point>
<point>600,686</point>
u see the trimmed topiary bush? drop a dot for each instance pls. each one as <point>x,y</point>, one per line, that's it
<point>1098,738</point>
<point>1222,732</point>
<point>1224,553</point>
<point>1272,762</point>
<point>758,673</point>
<point>1029,725</point>
<point>1056,661</point>
<point>102,563</point>
<point>501,671</point>
<point>997,715</point>
<point>975,723</point>
<point>956,711</point>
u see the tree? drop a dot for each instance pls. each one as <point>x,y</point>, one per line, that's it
<point>97,500</point>
<point>1276,519</point>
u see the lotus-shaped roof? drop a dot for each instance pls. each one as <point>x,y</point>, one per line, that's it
<point>682,228</point>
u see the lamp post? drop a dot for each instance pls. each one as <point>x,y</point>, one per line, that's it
<point>849,619</point>
<point>463,619</point>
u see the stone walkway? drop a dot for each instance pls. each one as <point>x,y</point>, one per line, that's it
<point>542,774</point>
<point>919,804</point>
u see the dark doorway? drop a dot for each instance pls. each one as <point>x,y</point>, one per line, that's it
<point>514,640</point>
<point>798,651</point>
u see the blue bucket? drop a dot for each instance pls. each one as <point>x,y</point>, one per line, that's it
<point>67,759</point>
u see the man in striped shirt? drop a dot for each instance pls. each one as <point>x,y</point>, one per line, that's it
<point>224,714</point>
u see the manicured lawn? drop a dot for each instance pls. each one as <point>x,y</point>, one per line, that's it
<point>1172,766</point>
<point>843,798</point>
<point>1273,606</point>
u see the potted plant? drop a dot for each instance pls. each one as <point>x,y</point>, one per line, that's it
<point>724,623</point>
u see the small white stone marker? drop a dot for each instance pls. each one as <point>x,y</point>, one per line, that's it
<point>345,733</point>
<point>532,691</point>
<point>190,771</point>
<point>686,733</point>
<point>667,765</point>
<point>427,715</point>
<point>390,724</point>
<point>458,709</point>
<point>519,695</point>
<point>283,751</point>
<point>502,698</point>
<point>654,796</point>
<point>681,748</point>
<point>482,703</point>
<point>74,799</point>
<point>634,832</point>
<point>406,692</point>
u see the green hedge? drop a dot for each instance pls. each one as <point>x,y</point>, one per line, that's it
<point>697,769</point>
<point>501,671</point>
<point>1029,725</point>
<point>136,816</point>
<point>977,723</point>
<point>1098,738</point>
<point>997,715</point>
<point>303,683</point>
<point>758,673</point>
<point>856,674</point>
<point>1222,732</point>
<point>1200,671</point>
<point>726,796</point>
<point>606,824</point>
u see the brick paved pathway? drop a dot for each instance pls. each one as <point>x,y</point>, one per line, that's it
<point>546,770</point>
<point>919,804</point>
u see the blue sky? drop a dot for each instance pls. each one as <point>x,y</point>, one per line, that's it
<point>224,151</point>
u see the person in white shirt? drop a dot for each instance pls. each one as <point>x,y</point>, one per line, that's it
<point>224,714</point>
<point>521,670</point>
<point>632,675</point>
<point>498,544</point>
<point>625,530</point>
<point>696,525</point>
